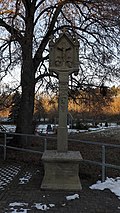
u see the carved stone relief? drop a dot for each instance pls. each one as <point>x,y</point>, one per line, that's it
<point>63,103</point>
<point>64,55</point>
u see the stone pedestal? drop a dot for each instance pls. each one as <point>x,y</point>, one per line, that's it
<point>61,170</point>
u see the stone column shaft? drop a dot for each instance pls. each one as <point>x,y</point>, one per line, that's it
<point>62,136</point>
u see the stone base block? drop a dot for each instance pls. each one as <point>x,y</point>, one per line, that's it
<point>61,170</point>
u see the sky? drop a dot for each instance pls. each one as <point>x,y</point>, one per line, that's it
<point>13,77</point>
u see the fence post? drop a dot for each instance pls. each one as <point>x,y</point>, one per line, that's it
<point>5,138</point>
<point>103,163</point>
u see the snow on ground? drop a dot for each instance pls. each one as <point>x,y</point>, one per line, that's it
<point>43,207</point>
<point>17,207</point>
<point>42,129</point>
<point>22,207</point>
<point>26,178</point>
<point>112,184</point>
<point>18,204</point>
<point>9,127</point>
<point>72,197</point>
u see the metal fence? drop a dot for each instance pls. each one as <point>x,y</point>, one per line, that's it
<point>45,138</point>
<point>103,163</point>
<point>7,137</point>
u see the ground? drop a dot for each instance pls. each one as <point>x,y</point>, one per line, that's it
<point>21,175</point>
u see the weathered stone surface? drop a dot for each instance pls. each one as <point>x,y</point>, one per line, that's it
<point>62,136</point>
<point>51,155</point>
<point>61,170</point>
<point>64,54</point>
<point>62,166</point>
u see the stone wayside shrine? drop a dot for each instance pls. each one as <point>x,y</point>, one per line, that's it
<point>62,166</point>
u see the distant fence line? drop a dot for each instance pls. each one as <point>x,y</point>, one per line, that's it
<point>103,163</point>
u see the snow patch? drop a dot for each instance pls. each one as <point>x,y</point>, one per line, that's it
<point>52,205</point>
<point>43,207</point>
<point>25,179</point>
<point>18,207</point>
<point>112,184</point>
<point>72,197</point>
<point>18,204</point>
<point>21,210</point>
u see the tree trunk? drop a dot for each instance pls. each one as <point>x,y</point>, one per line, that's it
<point>25,117</point>
<point>24,124</point>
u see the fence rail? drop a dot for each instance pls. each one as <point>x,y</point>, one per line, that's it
<point>103,163</point>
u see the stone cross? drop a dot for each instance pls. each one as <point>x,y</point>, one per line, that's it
<point>61,165</point>
<point>64,60</point>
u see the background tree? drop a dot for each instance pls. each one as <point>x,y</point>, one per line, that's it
<point>53,109</point>
<point>26,27</point>
<point>5,100</point>
<point>39,110</point>
<point>91,104</point>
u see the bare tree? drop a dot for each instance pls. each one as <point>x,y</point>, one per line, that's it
<point>26,27</point>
